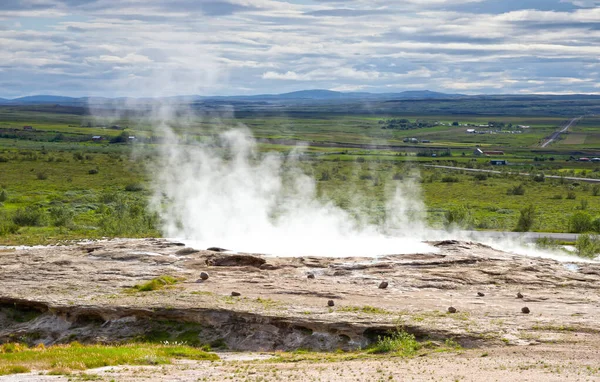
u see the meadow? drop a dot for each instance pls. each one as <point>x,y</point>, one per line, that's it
<point>58,184</point>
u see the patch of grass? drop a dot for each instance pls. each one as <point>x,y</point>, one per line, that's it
<point>364,309</point>
<point>155,284</point>
<point>62,359</point>
<point>14,369</point>
<point>398,343</point>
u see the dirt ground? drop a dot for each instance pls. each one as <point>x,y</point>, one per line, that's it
<point>83,292</point>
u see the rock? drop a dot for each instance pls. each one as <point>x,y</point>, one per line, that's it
<point>311,276</point>
<point>480,294</point>
<point>525,310</point>
<point>204,276</point>
<point>234,260</point>
<point>383,285</point>
<point>452,309</point>
<point>236,294</point>
<point>217,249</point>
<point>519,295</point>
<point>330,303</point>
<point>186,251</point>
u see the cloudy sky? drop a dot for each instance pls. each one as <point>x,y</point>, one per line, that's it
<point>215,47</point>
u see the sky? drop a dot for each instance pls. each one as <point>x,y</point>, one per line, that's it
<point>232,47</point>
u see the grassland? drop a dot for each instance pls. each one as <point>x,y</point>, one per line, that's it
<point>56,183</point>
<point>65,359</point>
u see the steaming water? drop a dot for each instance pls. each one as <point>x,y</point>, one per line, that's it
<point>229,196</point>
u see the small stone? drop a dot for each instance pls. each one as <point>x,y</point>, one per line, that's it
<point>311,276</point>
<point>236,294</point>
<point>519,295</point>
<point>330,303</point>
<point>480,294</point>
<point>383,285</point>
<point>452,309</point>
<point>525,310</point>
<point>204,276</point>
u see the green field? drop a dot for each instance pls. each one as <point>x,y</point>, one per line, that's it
<point>58,184</point>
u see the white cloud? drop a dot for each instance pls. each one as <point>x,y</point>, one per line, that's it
<point>267,46</point>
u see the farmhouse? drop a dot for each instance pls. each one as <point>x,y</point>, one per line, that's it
<point>471,131</point>
<point>499,162</point>
<point>28,128</point>
<point>97,138</point>
<point>489,153</point>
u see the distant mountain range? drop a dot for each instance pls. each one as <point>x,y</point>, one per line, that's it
<point>309,95</point>
<point>302,96</point>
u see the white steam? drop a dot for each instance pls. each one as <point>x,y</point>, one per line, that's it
<point>228,195</point>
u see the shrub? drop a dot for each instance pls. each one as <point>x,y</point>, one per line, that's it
<point>134,187</point>
<point>29,216</point>
<point>596,225</point>
<point>580,222</point>
<point>545,242</point>
<point>399,342</point>
<point>126,218</point>
<point>571,195</point>
<point>596,190</point>
<point>41,175</point>
<point>539,178</point>
<point>526,219</point>
<point>450,179</point>
<point>61,216</point>
<point>587,246</point>
<point>458,216</point>
<point>78,156</point>
<point>583,204</point>
<point>93,171</point>
<point>7,226</point>
<point>481,176</point>
<point>3,196</point>
<point>516,190</point>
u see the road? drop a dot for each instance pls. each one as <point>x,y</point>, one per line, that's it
<point>556,134</point>
<point>587,180</point>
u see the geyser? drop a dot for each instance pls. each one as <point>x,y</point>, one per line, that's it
<point>227,194</point>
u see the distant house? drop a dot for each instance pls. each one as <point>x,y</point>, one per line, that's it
<point>489,153</point>
<point>425,141</point>
<point>115,127</point>
<point>499,162</point>
<point>29,128</point>
<point>584,159</point>
<point>131,138</point>
<point>595,159</point>
<point>523,127</point>
<point>411,140</point>
<point>478,152</point>
<point>97,138</point>
<point>471,131</point>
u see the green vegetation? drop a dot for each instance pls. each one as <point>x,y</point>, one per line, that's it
<point>588,245</point>
<point>58,184</point>
<point>63,359</point>
<point>155,284</point>
<point>398,343</point>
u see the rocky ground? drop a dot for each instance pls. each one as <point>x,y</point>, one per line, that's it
<point>84,292</point>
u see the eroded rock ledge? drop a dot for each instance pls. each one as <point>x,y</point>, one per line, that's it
<point>83,292</point>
